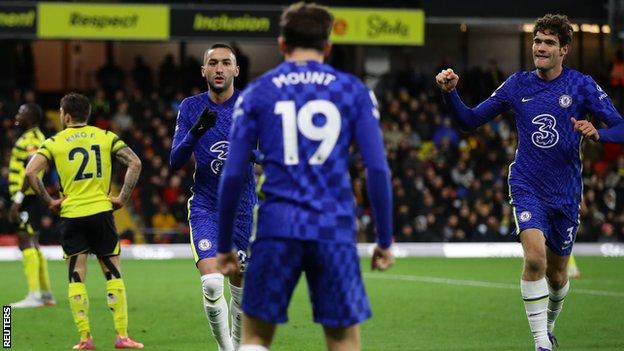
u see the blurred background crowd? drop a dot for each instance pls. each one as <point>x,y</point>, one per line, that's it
<point>448,185</point>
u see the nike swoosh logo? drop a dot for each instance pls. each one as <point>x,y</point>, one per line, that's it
<point>526,99</point>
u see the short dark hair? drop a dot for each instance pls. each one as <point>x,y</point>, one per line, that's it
<point>35,112</point>
<point>222,46</point>
<point>306,26</point>
<point>77,106</point>
<point>558,25</point>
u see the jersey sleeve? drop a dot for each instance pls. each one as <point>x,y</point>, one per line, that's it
<point>370,142</point>
<point>46,149</point>
<point>25,147</point>
<point>600,106</point>
<point>472,118</point>
<point>367,125</point>
<point>116,143</point>
<point>244,126</point>
<point>31,145</point>
<point>20,154</point>
<point>183,141</point>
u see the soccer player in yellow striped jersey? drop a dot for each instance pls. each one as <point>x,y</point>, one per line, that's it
<point>83,155</point>
<point>26,210</point>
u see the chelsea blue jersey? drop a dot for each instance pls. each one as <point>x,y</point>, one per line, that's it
<point>305,116</point>
<point>210,152</point>
<point>548,158</point>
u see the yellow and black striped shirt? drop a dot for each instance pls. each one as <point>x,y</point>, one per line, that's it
<point>26,146</point>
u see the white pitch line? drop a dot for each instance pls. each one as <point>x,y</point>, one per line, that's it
<point>598,292</point>
<point>478,283</point>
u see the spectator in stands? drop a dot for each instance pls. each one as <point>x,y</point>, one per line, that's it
<point>191,79</point>
<point>168,77</point>
<point>164,224</point>
<point>122,121</point>
<point>110,77</point>
<point>616,78</point>
<point>493,77</point>
<point>173,190</point>
<point>142,75</point>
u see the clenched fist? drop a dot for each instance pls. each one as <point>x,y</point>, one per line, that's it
<point>447,80</point>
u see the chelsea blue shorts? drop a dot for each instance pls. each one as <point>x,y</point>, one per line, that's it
<point>332,272</point>
<point>559,223</point>
<point>204,233</point>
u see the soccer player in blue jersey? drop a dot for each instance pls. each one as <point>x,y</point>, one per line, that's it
<point>305,115</point>
<point>202,129</point>
<point>551,104</point>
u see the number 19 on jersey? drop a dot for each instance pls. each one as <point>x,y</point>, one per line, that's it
<point>302,120</point>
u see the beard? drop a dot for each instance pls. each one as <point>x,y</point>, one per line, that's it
<point>221,88</point>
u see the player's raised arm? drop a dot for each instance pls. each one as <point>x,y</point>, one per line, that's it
<point>186,134</point>
<point>370,142</point>
<point>37,164</point>
<point>472,118</point>
<point>601,106</point>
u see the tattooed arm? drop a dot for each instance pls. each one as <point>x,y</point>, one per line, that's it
<point>128,158</point>
<point>37,164</point>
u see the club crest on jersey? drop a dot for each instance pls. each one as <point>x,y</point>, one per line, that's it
<point>204,244</point>
<point>525,216</point>
<point>565,101</point>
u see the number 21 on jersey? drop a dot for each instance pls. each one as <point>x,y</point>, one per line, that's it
<point>302,121</point>
<point>80,175</point>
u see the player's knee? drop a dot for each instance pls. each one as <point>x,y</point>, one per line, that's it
<point>212,286</point>
<point>557,279</point>
<point>535,264</point>
<point>342,339</point>
<point>557,283</point>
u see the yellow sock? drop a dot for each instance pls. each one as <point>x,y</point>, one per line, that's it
<point>44,277</point>
<point>31,269</point>
<point>116,299</point>
<point>572,262</point>
<point>573,271</point>
<point>79,304</point>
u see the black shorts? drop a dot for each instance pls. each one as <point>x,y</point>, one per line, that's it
<point>94,234</point>
<point>29,215</point>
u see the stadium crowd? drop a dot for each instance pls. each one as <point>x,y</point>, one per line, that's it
<point>448,185</point>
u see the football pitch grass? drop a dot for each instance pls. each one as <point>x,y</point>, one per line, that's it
<point>420,304</point>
